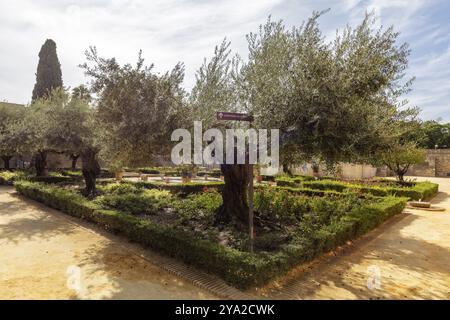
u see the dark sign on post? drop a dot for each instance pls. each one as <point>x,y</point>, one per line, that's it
<point>234,116</point>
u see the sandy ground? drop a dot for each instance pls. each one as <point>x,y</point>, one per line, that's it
<point>45,254</point>
<point>48,255</point>
<point>406,258</point>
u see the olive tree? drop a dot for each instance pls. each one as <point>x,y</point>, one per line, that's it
<point>74,131</point>
<point>136,109</point>
<point>334,101</point>
<point>62,124</point>
<point>32,132</point>
<point>400,157</point>
<point>9,115</point>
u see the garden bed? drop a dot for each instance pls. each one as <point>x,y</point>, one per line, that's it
<point>290,228</point>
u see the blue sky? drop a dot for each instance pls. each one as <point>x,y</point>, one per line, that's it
<point>169,31</point>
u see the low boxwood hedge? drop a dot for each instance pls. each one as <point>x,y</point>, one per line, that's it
<point>182,189</point>
<point>242,269</point>
<point>54,179</point>
<point>8,177</point>
<point>301,191</point>
<point>421,190</point>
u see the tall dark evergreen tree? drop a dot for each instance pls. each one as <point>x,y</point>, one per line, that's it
<point>48,78</point>
<point>48,75</point>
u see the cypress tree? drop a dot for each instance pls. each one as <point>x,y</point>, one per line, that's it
<point>48,75</point>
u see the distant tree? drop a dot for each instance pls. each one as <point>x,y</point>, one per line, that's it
<point>82,92</point>
<point>136,108</point>
<point>31,133</point>
<point>62,124</point>
<point>433,134</point>
<point>48,75</point>
<point>9,115</point>
<point>73,130</point>
<point>400,157</point>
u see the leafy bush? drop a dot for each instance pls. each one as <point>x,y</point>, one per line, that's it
<point>119,188</point>
<point>72,173</point>
<point>216,173</point>
<point>294,181</point>
<point>52,179</point>
<point>300,191</point>
<point>182,189</point>
<point>8,177</point>
<point>198,206</point>
<point>146,202</point>
<point>286,182</point>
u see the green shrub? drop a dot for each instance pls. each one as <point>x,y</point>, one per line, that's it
<point>146,202</point>
<point>426,189</point>
<point>216,173</point>
<point>182,189</point>
<point>286,182</point>
<point>8,177</point>
<point>198,206</point>
<point>52,179</point>
<point>326,185</point>
<point>119,188</point>
<point>300,191</point>
<point>294,181</point>
<point>72,173</point>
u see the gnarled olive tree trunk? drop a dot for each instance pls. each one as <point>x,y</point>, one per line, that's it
<point>234,194</point>
<point>6,162</point>
<point>90,169</point>
<point>40,163</point>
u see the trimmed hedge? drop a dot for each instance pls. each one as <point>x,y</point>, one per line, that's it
<point>421,190</point>
<point>54,179</point>
<point>8,177</point>
<point>242,269</point>
<point>302,191</point>
<point>293,181</point>
<point>182,189</point>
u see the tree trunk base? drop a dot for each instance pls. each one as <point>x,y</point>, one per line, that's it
<point>235,206</point>
<point>40,164</point>
<point>91,169</point>
<point>6,160</point>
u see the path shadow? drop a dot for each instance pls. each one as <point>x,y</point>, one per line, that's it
<point>26,219</point>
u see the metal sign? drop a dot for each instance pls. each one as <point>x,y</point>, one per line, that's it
<point>234,116</point>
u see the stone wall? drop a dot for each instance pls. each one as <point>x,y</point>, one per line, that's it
<point>343,170</point>
<point>437,164</point>
<point>53,161</point>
